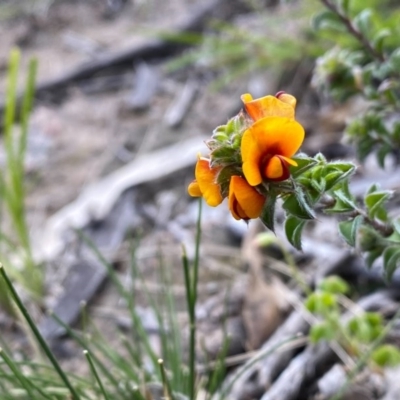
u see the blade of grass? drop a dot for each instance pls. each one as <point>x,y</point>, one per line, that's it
<point>191,296</point>
<point>165,382</point>
<point>126,296</point>
<point>37,334</point>
<point>84,344</point>
<point>95,374</point>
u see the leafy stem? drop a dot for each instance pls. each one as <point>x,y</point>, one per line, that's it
<point>352,29</point>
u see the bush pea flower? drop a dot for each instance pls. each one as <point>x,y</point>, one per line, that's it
<point>244,200</point>
<point>271,140</point>
<point>280,105</point>
<point>205,183</point>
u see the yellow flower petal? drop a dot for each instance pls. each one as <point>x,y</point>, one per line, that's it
<point>287,98</point>
<point>194,189</point>
<point>206,180</point>
<point>274,168</point>
<point>244,201</point>
<point>269,106</point>
<point>266,138</point>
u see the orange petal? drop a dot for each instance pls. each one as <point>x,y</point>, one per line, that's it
<point>206,180</point>
<point>268,137</point>
<point>274,168</point>
<point>268,106</point>
<point>287,98</point>
<point>194,189</point>
<point>277,168</point>
<point>251,157</point>
<point>244,201</point>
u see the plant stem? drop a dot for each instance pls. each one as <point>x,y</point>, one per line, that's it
<point>353,30</point>
<point>95,374</point>
<point>191,298</point>
<point>37,334</point>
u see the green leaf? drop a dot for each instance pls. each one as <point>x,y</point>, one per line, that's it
<point>337,172</point>
<point>386,355</point>
<point>391,260</point>
<point>374,318</point>
<point>327,19</point>
<point>321,302</point>
<point>363,21</point>
<point>396,225</point>
<point>381,154</point>
<point>345,199</point>
<point>348,230</point>
<point>321,331</point>
<point>372,256</point>
<point>344,6</point>
<point>293,229</point>
<point>268,212</point>
<point>303,165</point>
<point>375,200</point>
<point>297,205</point>
<point>360,328</point>
<point>334,284</point>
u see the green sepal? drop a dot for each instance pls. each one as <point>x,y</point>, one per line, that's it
<point>224,177</point>
<point>293,229</point>
<point>334,284</point>
<point>268,212</point>
<point>321,331</point>
<point>224,152</point>
<point>386,355</point>
<point>348,230</point>
<point>391,260</point>
<point>296,204</point>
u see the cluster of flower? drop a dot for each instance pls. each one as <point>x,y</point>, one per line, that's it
<point>249,154</point>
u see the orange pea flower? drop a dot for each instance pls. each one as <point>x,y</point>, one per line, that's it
<point>274,137</point>
<point>280,105</point>
<point>244,201</point>
<point>205,184</point>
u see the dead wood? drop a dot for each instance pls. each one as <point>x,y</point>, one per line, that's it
<point>307,365</point>
<point>254,378</point>
<point>368,385</point>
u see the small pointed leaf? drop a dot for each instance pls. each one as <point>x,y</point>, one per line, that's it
<point>348,230</point>
<point>391,260</point>
<point>293,229</point>
<point>268,213</point>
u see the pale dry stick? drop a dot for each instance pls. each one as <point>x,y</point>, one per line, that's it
<point>245,357</point>
<point>302,367</point>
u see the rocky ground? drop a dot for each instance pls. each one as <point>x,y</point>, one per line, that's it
<point>113,140</point>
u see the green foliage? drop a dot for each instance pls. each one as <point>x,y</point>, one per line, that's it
<point>364,62</point>
<point>357,334</point>
<point>12,179</point>
<point>386,356</point>
<point>334,284</point>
